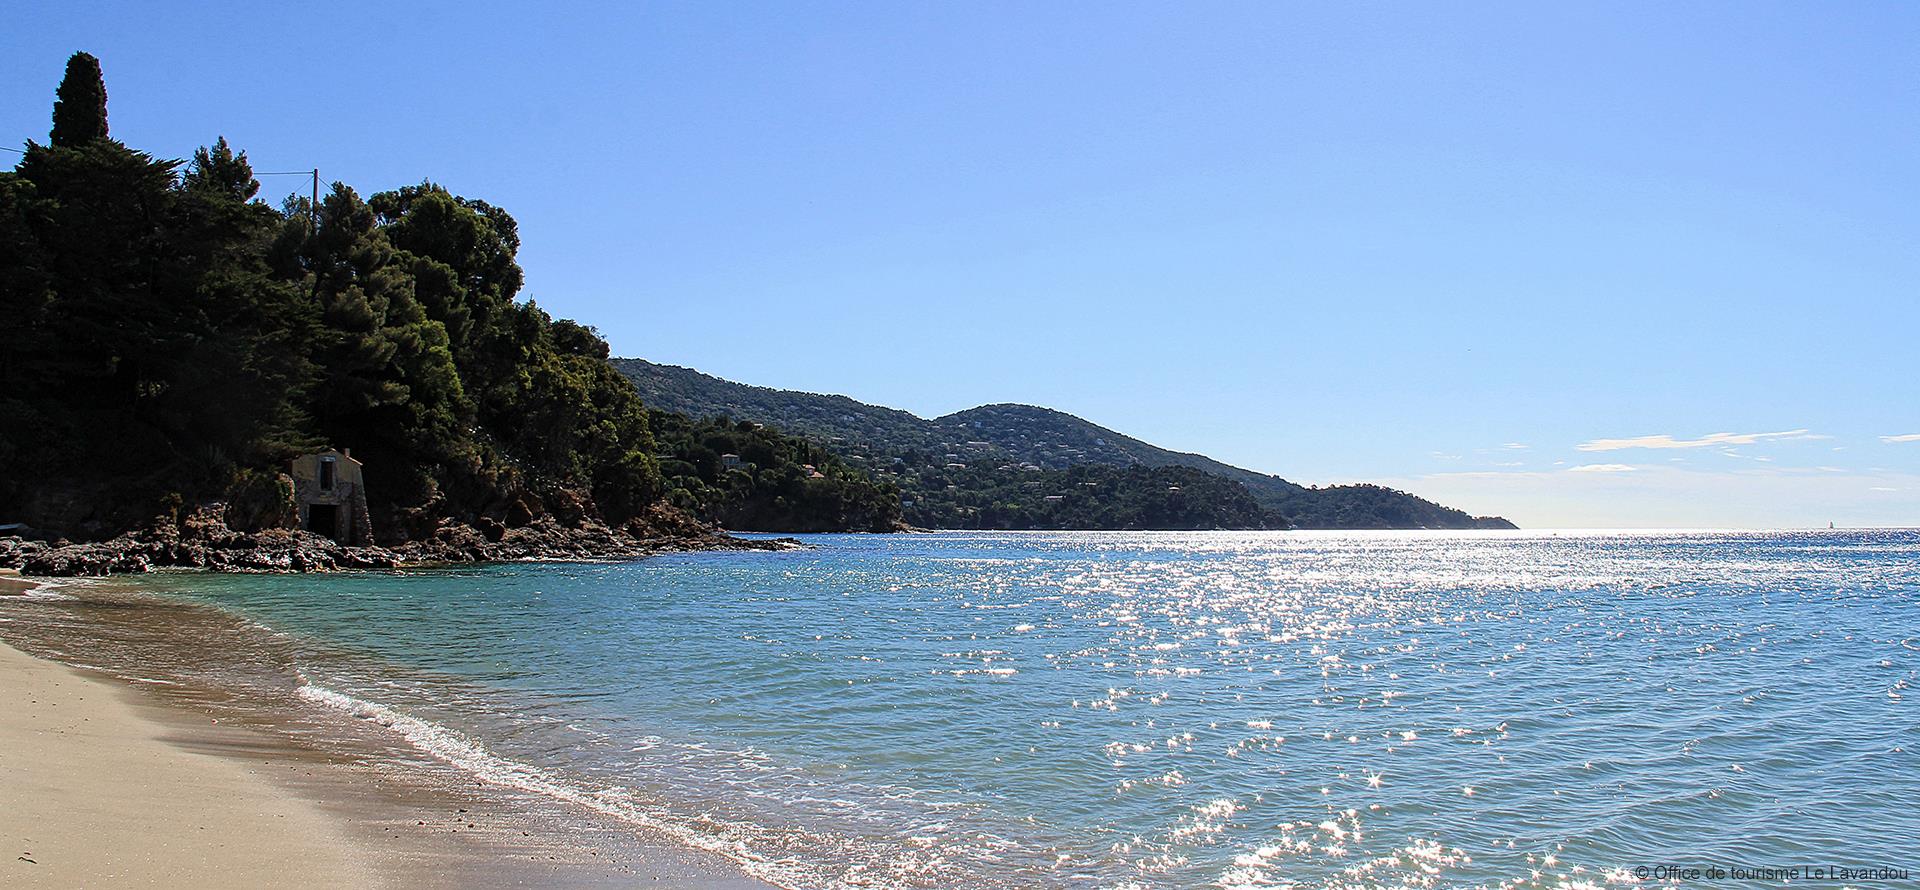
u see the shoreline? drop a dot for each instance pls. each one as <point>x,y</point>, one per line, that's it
<point>136,772</point>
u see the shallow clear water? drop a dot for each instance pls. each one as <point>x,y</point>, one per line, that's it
<point>1170,709</point>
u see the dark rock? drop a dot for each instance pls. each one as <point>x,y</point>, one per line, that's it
<point>15,551</point>
<point>523,510</point>
<point>201,538</point>
<point>261,501</point>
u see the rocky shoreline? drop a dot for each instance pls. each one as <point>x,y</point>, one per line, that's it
<point>203,540</point>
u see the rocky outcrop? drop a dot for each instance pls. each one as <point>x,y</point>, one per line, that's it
<point>203,540</point>
<point>259,501</point>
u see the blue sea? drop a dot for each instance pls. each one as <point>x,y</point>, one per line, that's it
<point>1221,709</point>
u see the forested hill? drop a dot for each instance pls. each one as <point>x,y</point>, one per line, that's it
<point>1055,438</point>
<point>172,341</point>
<point>937,462</point>
<point>816,416</point>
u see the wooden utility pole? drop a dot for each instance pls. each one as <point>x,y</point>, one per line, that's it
<point>313,210</point>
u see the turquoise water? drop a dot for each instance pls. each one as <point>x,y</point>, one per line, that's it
<point>1170,709</point>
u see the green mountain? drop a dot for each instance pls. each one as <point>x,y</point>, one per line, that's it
<point>1003,466</point>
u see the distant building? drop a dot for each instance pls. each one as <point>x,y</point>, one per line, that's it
<point>729,461</point>
<point>332,497</point>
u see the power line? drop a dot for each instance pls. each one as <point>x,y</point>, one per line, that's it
<point>314,205</point>
<point>282,173</point>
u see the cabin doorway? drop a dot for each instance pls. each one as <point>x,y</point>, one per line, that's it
<point>325,519</point>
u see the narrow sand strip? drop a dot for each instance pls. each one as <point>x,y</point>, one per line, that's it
<point>91,796</point>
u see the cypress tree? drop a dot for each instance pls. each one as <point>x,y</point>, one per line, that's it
<point>80,106</point>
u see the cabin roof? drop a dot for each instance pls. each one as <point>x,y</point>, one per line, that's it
<point>335,453</point>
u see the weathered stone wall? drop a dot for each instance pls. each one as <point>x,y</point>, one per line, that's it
<point>352,522</point>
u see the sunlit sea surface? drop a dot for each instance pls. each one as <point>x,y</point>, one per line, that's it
<point>1221,709</point>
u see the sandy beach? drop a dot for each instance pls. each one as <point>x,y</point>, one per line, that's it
<point>92,795</point>
<point>111,781</point>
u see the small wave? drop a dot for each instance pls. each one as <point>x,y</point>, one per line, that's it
<point>456,749</point>
<point>47,594</point>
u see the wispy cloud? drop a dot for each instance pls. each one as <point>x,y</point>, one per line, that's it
<point>1910,437</point>
<point>1602,468</point>
<point>1515,446</point>
<point>1707,441</point>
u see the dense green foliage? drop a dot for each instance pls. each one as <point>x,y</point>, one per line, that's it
<point>1374,506</point>
<point>80,104</point>
<point>746,476</point>
<point>815,416</point>
<point>916,454</point>
<point>170,336</point>
<point>1088,496</point>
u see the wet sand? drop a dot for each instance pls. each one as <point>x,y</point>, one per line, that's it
<point>120,776</point>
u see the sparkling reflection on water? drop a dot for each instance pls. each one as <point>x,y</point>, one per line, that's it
<point>1169,709</point>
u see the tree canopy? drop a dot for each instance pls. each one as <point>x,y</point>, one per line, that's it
<point>173,337</point>
<point>80,111</point>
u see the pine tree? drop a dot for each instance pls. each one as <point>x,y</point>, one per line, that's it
<point>80,107</point>
<point>216,170</point>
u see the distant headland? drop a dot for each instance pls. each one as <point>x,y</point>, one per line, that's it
<point>1024,467</point>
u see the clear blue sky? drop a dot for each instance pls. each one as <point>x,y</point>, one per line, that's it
<point>1478,251</point>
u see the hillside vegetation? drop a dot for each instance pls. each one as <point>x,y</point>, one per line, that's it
<point>172,339</point>
<point>1000,466</point>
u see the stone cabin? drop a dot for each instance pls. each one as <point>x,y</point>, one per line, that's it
<point>332,498</point>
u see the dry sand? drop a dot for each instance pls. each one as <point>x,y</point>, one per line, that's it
<point>92,796</point>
